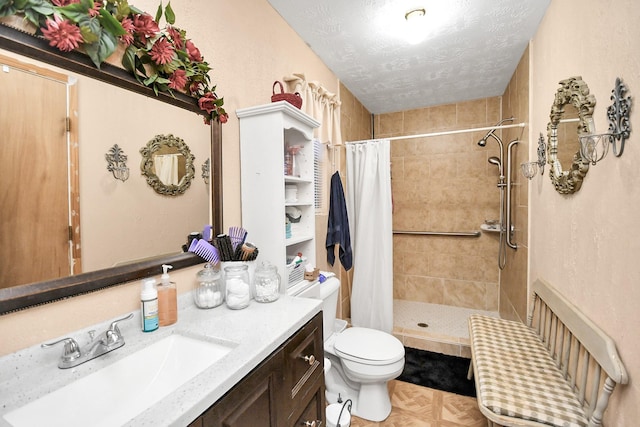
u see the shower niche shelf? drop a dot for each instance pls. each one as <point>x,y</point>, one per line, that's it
<point>490,228</point>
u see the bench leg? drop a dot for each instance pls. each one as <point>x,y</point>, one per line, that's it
<point>470,372</point>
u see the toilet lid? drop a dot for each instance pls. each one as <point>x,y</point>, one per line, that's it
<point>368,344</point>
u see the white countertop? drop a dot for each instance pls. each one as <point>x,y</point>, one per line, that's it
<point>258,330</point>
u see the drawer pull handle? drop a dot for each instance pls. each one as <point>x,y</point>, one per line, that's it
<point>310,359</point>
<point>315,423</point>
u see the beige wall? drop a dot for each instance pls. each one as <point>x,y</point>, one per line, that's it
<point>249,46</point>
<point>586,244</point>
<point>444,183</point>
<point>513,278</point>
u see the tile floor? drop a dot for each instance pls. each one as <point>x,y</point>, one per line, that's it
<point>416,406</point>
<point>447,332</point>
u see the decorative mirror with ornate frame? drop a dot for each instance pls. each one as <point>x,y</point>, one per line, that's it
<point>573,92</point>
<point>24,296</point>
<point>167,163</point>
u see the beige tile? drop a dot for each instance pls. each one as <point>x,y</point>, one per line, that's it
<point>424,289</point>
<point>390,124</point>
<point>466,294</point>
<point>442,117</point>
<point>471,113</point>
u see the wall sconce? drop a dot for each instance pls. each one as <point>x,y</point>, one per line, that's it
<point>618,115</point>
<point>117,163</point>
<point>594,147</point>
<point>206,171</point>
<point>529,169</point>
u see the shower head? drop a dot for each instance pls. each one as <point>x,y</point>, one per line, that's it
<point>483,141</point>
<point>495,161</point>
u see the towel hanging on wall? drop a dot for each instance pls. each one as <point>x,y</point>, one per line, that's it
<point>338,225</point>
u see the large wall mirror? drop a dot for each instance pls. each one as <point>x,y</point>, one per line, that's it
<point>571,115</point>
<point>114,108</point>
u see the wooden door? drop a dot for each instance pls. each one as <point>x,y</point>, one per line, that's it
<point>34,196</point>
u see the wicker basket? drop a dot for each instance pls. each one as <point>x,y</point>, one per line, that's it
<point>295,271</point>
<point>292,98</point>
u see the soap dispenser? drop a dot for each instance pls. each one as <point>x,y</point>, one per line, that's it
<point>149,305</point>
<point>167,299</point>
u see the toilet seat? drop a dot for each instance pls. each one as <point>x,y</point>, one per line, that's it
<point>368,346</point>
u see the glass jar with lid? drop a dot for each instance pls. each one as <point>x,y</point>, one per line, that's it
<point>238,291</point>
<point>266,282</point>
<point>209,291</point>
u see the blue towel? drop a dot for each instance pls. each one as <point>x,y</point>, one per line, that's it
<point>338,225</point>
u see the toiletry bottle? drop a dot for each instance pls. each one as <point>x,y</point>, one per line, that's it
<point>149,305</point>
<point>167,299</point>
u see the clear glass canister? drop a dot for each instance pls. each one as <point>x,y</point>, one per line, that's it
<point>266,282</point>
<point>209,290</point>
<point>238,291</point>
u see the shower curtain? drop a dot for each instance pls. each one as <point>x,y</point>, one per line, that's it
<point>370,223</point>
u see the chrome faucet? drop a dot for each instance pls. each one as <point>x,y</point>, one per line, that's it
<point>73,355</point>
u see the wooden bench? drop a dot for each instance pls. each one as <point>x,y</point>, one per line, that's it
<point>560,369</point>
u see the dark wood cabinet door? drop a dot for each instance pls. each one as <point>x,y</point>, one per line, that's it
<point>255,401</point>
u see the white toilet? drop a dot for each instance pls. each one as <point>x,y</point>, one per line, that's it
<point>362,360</point>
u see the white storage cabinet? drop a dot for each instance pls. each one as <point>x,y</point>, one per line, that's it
<point>266,132</point>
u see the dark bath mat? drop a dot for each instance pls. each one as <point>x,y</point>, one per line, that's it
<point>437,371</point>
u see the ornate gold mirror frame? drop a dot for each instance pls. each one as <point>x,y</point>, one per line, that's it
<point>149,170</point>
<point>573,91</point>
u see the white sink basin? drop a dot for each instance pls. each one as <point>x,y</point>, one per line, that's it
<point>115,394</point>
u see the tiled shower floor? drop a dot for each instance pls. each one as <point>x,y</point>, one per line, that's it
<point>446,331</point>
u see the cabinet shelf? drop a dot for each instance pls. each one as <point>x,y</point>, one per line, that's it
<point>294,240</point>
<point>288,179</point>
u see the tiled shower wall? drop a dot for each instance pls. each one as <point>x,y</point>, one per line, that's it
<point>444,183</point>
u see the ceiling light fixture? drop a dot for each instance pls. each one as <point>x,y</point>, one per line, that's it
<point>414,14</point>
<point>416,30</point>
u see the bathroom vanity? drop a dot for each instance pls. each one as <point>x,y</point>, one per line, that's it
<point>286,389</point>
<point>270,371</point>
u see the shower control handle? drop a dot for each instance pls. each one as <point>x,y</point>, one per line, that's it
<point>310,359</point>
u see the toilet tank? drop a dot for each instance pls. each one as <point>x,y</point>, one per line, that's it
<point>328,292</point>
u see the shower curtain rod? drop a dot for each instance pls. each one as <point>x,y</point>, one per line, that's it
<point>449,132</point>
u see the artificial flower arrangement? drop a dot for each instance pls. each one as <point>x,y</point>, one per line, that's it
<point>163,59</point>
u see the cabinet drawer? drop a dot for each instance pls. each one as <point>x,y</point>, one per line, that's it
<point>314,411</point>
<point>304,358</point>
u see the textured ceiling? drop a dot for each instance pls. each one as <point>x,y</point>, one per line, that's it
<point>471,49</point>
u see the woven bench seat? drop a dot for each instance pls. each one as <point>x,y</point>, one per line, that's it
<point>558,370</point>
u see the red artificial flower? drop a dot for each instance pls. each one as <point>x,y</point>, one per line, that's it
<point>64,2</point>
<point>63,34</point>
<point>207,102</point>
<point>127,24</point>
<point>162,51</point>
<point>95,10</point>
<point>178,79</point>
<point>223,118</point>
<point>175,35</point>
<point>194,52</point>
<point>145,26</point>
